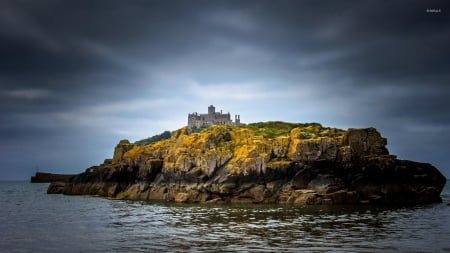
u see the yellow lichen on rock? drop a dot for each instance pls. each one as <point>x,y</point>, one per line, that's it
<point>280,146</point>
<point>133,153</point>
<point>240,149</point>
<point>245,149</point>
<point>268,162</point>
<point>119,151</point>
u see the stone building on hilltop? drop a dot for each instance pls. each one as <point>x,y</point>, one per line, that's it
<point>196,120</point>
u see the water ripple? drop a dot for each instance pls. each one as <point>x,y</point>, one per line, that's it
<point>31,221</point>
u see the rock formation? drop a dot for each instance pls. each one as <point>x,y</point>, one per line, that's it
<point>273,162</point>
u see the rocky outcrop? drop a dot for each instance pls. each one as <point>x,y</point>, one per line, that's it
<point>56,187</point>
<point>122,147</point>
<point>289,163</point>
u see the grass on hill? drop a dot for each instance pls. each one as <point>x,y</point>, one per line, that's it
<point>272,129</point>
<point>155,138</point>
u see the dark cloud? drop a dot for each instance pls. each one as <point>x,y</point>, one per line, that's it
<point>77,76</point>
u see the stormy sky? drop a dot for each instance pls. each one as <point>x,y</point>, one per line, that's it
<point>78,76</point>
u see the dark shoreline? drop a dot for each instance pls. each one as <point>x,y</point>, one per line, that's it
<point>44,177</point>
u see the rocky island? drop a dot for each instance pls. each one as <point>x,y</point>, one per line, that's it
<point>271,162</point>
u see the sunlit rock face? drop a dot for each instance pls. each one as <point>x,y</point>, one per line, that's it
<point>273,162</point>
<point>121,148</point>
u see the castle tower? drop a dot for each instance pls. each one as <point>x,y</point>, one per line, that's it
<point>211,110</point>
<point>199,120</point>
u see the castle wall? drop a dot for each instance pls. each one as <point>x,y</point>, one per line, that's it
<point>196,120</point>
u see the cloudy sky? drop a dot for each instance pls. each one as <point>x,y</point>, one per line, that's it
<point>78,76</point>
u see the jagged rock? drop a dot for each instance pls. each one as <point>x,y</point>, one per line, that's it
<point>122,147</point>
<point>365,142</point>
<point>299,164</point>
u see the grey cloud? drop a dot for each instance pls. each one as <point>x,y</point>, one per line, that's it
<point>86,73</point>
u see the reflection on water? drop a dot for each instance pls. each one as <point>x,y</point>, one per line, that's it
<point>31,221</point>
<point>279,228</point>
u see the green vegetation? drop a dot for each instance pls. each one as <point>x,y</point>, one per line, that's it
<point>197,130</point>
<point>272,129</point>
<point>122,195</point>
<point>155,138</point>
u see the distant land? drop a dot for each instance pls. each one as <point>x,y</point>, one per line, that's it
<point>43,177</point>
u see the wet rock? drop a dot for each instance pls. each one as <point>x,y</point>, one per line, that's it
<point>56,187</point>
<point>181,197</point>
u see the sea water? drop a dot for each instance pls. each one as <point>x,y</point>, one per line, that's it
<point>32,221</point>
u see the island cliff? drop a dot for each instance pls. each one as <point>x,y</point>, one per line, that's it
<point>273,162</point>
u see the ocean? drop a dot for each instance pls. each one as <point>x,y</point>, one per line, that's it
<point>32,221</point>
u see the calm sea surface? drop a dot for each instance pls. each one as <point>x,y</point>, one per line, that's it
<point>32,221</point>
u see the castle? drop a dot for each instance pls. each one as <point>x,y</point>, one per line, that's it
<point>196,120</point>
